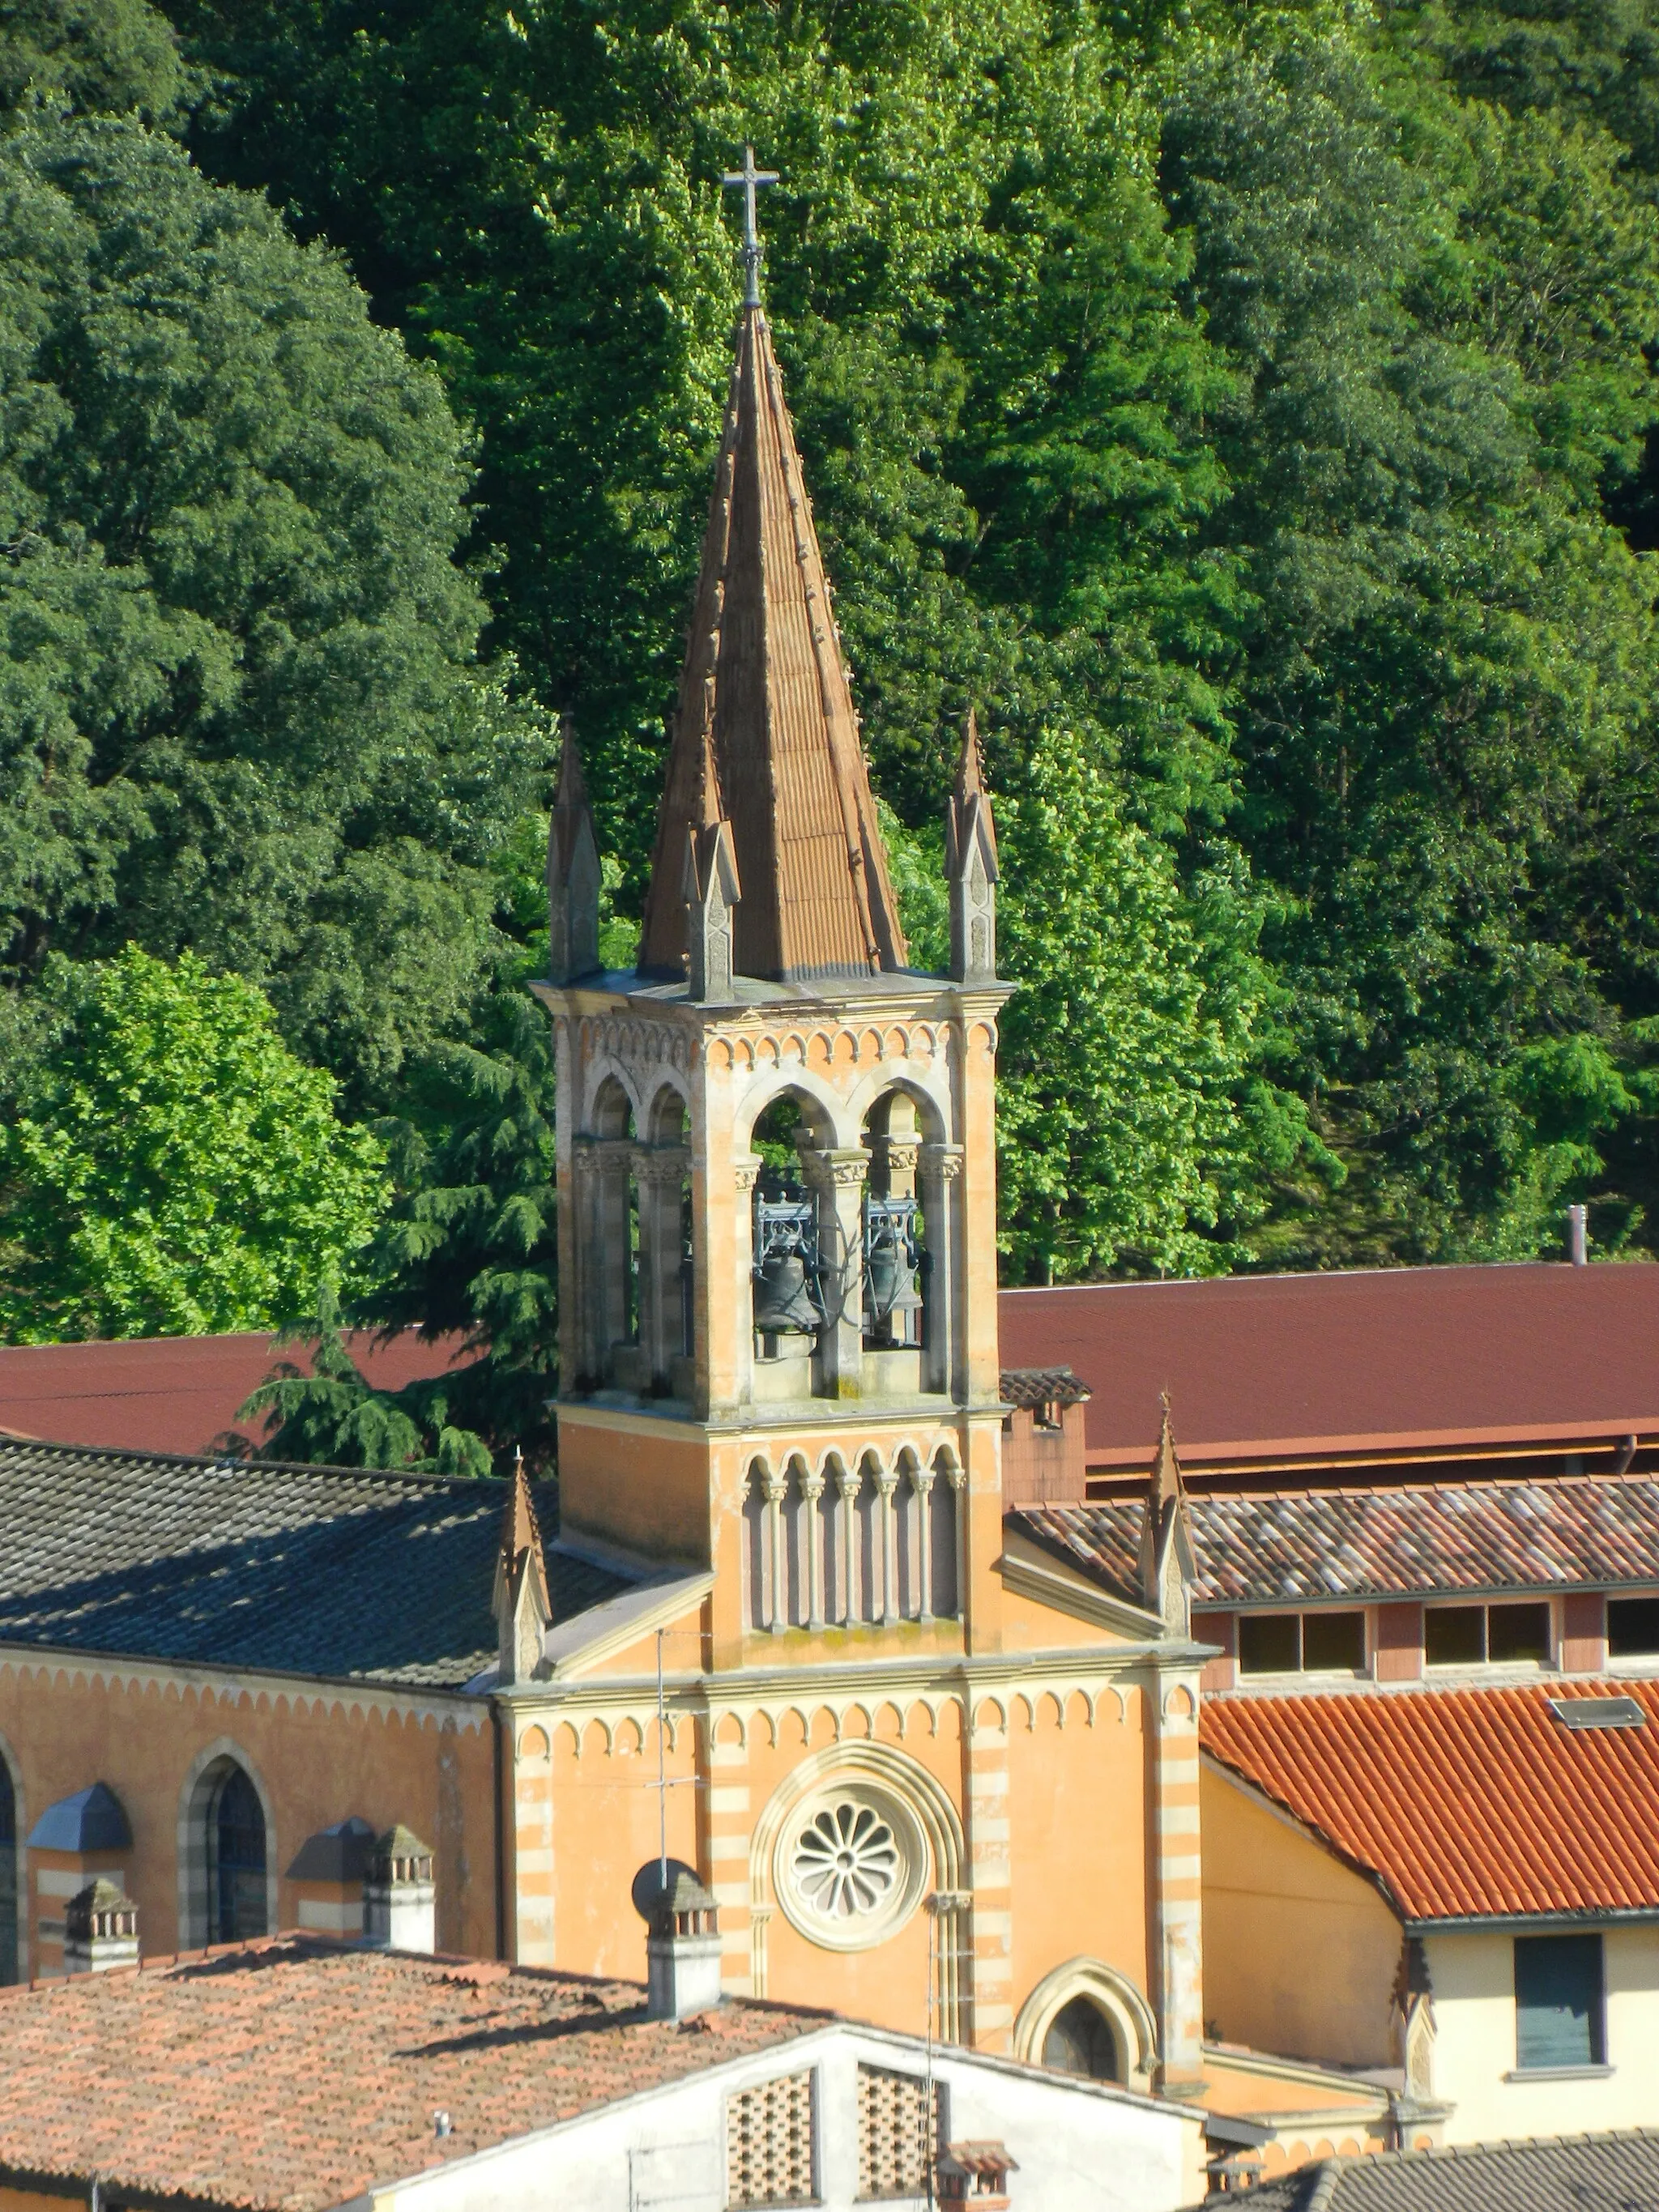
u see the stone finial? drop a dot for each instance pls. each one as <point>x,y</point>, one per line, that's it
<point>399,1896</point>
<point>522,1604</point>
<point>970,866</point>
<point>1166,1563</point>
<point>712,890</point>
<point>101,1929</point>
<point>573,872</point>
<point>682,1948</point>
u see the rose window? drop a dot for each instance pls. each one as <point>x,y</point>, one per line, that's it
<point>848,1862</point>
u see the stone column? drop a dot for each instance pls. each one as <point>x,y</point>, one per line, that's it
<point>922,1482</point>
<point>811,1490</point>
<point>586,1289</point>
<point>745,1173</point>
<point>957,1477</point>
<point>849,1480</point>
<point>837,1177</point>
<point>939,1176</point>
<point>886,1484</point>
<point>776,1487</point>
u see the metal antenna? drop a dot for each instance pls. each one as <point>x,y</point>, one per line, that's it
<point>750,178</point>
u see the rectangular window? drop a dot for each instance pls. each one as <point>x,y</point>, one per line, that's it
<point>1518,1631</point>
<point>1559,2014</point>
<point>1269,1643</point>
<point>1333,1643</point>
<point>1633,1627</point>
<point>1455,1635</point>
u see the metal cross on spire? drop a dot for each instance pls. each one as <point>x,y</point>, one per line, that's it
<point>750,179</point>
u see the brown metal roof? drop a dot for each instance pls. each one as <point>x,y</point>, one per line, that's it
<point>764,697</point>
<point>1276,1368</point>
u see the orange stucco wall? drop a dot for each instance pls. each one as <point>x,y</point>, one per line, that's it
<point>318,1753</point>
<point>1272,1895</point>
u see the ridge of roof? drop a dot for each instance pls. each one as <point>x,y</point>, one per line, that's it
<point>231,1462</point>
<point>766,702</point>
<point>1428,1539</point>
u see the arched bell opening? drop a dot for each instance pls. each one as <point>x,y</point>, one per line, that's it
<point>666,1262</point>
<point>613,1241</point>
<point>902,1221</point>
<point>795,1273</point>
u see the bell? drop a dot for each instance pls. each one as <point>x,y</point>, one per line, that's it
<point>783,1302</point>
<point>890,1280</point>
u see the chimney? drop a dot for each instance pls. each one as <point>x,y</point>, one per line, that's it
<point>399,1901</point>
<point>1579,1236</point>
<point>101,1929</point>
<point>683,1950</point>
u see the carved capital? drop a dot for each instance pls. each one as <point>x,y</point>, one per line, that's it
<point>746,1169</point>
<point>944,1161</point>
<point>887,1480</point>
<point>829,1167</point>
<point>662,1163</point>
<point>849,1480</point>
<point>899,1153</point>
<point>812,1486</point>
<point>774,1488</point>
<point>921,1481</point>
<point>957,1476</point>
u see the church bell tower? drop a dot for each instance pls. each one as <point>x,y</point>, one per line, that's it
<point>776,1155</point>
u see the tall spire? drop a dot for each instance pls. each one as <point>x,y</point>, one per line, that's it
<point>1167,1569</point>
<point>523,1604</point>
<point>765,732</point>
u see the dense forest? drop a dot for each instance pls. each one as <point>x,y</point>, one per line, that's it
<point>1249,410</point>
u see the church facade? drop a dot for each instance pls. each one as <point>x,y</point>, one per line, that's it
<point>916,1769</point>
<point>935,1776</point>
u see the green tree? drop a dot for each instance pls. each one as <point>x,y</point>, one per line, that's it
<point>240,708</point>
<point>176,1169</point>
<point>93,57</point>
<point>467,1250</point>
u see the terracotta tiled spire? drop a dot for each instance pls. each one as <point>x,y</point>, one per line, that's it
<point>765,736</point>
<point>521,1556</point>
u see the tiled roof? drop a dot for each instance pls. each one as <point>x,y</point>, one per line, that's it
<point>300,1570</point>
<point>764,689</point>
<point>1584,1532</point>
<point>1566,2175</point>
<point>1041,1386</point>
<point>1274,1367</point>
<point>175,1394</point>
<point>1463,1804</point>
<point>296,2073</point>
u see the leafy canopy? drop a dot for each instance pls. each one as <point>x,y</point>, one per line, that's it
<point>176,1170</point>
<point>239,710</point>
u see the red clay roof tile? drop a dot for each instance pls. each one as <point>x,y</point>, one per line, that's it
<point>1463,1802</point>
<point>293,2074</point>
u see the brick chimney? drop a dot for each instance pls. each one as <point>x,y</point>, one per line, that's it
<point>399,1900</point>
<point>101,1929</point>
<point>683,1950</point>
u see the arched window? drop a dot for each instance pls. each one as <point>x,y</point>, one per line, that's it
<point>1080,2040</point>
<point>7,1877</point>
<point>236,1860</point>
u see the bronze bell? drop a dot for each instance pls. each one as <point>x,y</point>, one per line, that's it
<point>784,1304</point>
<point>889,1277</point>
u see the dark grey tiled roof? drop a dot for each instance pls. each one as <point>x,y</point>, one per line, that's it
<point>1041,1386</point>
<point>1575,1531</point>
<point>1618,2172</point>
<point>300,1569</point>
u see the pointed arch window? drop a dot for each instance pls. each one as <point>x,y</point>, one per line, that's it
<point>7,1876</point>
<point>236,1860</point>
